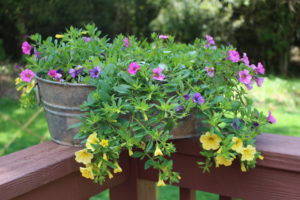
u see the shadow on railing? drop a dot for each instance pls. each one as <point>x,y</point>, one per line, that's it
<point>48,172</point>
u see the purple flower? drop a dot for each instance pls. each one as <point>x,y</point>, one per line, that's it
<point>186,97</point>
<point>234,56</point>
<point>179,108</point>
<point>133,68</point>
<point>245,77</point>
<point>87,39</point>
<point>245,59</point>
<point>157,75</point>
<point>249,86</point>
<point>255,124</point>
<point>75,72</point>
<point>18,66</point>
<point>198,98</point>
<point>54,75</point>
<point>163,37</point>
<point>271,119</point>
<point>234,125</point>
<point>27,75</point>
<point>26,48</point>
<point>210,42</point>
<point>126,42</point>
<point>210,71</point>
<point>94,73</point>
<point>259,81</point>
<point>259,69</point>
<point>36,54</point>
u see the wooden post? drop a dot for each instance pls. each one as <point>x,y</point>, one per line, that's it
<point>187,194</point>
<point>134,188</point>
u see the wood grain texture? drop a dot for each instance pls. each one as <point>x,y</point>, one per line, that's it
<point>35,167</point>
<point>187,194</point>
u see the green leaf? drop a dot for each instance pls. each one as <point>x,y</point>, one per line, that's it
<point>149,146</point>
<point>122,89</point>
<point>76,125</point>
<point>148,164</point>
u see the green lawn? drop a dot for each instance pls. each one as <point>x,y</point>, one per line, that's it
<point>279,95</point>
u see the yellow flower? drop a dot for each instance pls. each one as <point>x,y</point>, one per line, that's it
<point>220,160</point>
<point>87,172</point>
<point>158,152</point>
<point>248,153</point>
<point>261,157</point>
<point>210,141</point>
<point>118,169</point>
<point>130,152</point>
<point>84,32</point>
<point>243,168</point>
<point>83,156</point>
<point>160,183</point>
<point>92,139</point>
<point>237,144</point>
<point>59,36</point>
<point>110,176</point>
<point>29,87</point>
<point>105,157</point>
<point>104,143</point>
<point>18,80</point>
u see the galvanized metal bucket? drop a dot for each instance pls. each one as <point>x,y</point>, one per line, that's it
<point>62,102</point>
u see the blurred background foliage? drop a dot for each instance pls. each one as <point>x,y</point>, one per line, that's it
<point>266,29</point>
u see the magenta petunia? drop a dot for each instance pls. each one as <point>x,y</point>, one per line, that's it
<point>234,56</point>
<point>271,119</point>
<point>245,77</point>
<point>157,74</point>
<point>55,75</point>
<point>27,75</point>
<point>260,69</point>
<point>259,81</point>
<point>245,59</point>
<point>210,71</point>
<point>163,37</point>
<point>126,42</point>
<point>133,68</point>
<point>26,48</point>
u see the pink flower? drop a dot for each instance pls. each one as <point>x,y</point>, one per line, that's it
<point>126,42</point>
<point>250,85</point>
<point>259,81</point>
<point>245,59</point>
<point>133,68</point>
<point>234,56</point>
<point>210,71</point>
<point>260,69</point>
<point>157,75</point>
<point>271,119</point>
<point>163,37</point>
<point>54,75</point>
<point>26,48</point>
<point>27,75</point>
<point>87,39</point>
<point>245,77</point>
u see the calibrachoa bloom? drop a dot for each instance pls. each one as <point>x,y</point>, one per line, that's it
<point>36,53</point>
<point>259,69</point>
<point>126,42</point>
<point>163,37</point>
<point>83,156</point>
<point>104,143</point>
<point>245,77</point>
<point>220,160</point>
<point>234,56</point>
<point>210,71</point>
<point>237,144</point>
<point>210,41</point>
<point>26,48</point>
<point>198,98</point>
<point>157,75</point>
<point>92,139</point>
<point>271,119</point>
<point>87,172</point>
<point>87,39</point>
<point>160,183</point>
<point>75,72</point>
<point>94,73</point>
<point>27,75</point>
<point>245,59</point>
<point>158,152</point>
<point>259,81</point>
<point>54,75</point>
<point>210,141</point>
<point>186,97</point>
<point>133,68</point>
<point>248,153</point>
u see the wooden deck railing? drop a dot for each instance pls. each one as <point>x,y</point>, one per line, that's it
<point>48,172</point>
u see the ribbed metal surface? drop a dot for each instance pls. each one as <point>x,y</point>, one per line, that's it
<point>62,102</point>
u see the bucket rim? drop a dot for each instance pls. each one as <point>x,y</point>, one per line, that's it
<point>60,83</point>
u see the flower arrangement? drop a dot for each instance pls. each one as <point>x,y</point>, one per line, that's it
<point>144,89</point>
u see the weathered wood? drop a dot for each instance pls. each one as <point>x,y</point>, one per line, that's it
<point>134,188</point>
<point>276,178</point>
<point>45,167</point>
<point>187,194</point>
<point>224,198</point>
